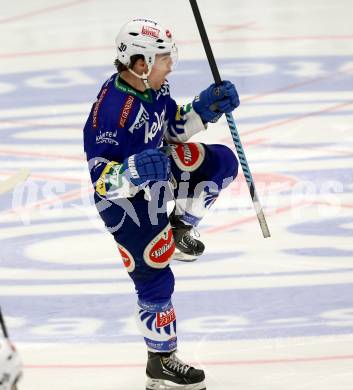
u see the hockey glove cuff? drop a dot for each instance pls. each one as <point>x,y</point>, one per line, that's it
<point>149,165</point>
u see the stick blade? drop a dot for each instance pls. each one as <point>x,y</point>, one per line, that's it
<point>263,224</point>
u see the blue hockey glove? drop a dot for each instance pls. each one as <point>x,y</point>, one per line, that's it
<point>151,164</point>
<point>216,100</point>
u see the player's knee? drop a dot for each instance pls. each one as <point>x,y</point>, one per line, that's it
<point>228,163</point>
<point>157,254</point>
<point>159,251</point>
<point>150,271</point>
<point>188,156</point>
<point>231,163</point>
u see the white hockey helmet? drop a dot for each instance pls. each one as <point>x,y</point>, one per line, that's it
<point>10,366</point>
<point>144,37</point>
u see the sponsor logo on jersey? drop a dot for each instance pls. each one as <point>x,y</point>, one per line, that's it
<point>107,137</point>
<point>145,96</point>
<point>125,112</point>
<point>164,318</point>
<point>163,91</point>
<point>150,31</point>
<point>110,180</point>
<point>189,156</point>
<point>152,130</point>
<point>101,185</point>
<point>158,252</point>
<point>127,258</point>
<point>96,107</point>
<point>142,117</point>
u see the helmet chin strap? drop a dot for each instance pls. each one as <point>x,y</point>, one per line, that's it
<point>143,76</point>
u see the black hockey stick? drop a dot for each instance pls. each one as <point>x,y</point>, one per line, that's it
<point>3,325</point>
<point>231,123</point>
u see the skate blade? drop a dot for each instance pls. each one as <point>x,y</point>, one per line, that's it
<point>180,256</point>
<point>160,384</point>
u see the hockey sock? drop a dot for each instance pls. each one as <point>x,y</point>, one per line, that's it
<point>192,210</point>
<point>158,328</point>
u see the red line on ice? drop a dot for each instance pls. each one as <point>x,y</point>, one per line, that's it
<point>27,15</point>
<point>283,89</point>
<point>254,217</point>
<point>345,206</point>
<point>24,122</point>
<point>278,211</point>
<point>296,85</point>
<point>230,27</point>
<point>13,152</point>
<point>186,42</point>
<point>284,38</point>
<point>66,197</point>
<point>297,118</point>
<point>56,51</point>
<point>41,177</point>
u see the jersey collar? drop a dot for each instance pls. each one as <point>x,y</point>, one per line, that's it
<point>123,86</point>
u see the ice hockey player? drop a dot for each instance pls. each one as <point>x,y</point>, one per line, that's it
<point>135,139</point>
<point>10,362</point>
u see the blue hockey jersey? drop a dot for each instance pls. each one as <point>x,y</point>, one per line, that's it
<point>123,122</point>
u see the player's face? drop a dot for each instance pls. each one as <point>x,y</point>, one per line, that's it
<point>163,64</point>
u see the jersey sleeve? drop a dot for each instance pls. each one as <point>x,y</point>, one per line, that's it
<point>108,141</point>
<point>182,122</point>
<point>112,183</point>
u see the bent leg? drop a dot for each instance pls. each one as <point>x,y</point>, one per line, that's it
<point>201,173</point>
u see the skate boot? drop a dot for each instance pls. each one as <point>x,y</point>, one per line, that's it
<point>166,372</point>
<point>187,247</point>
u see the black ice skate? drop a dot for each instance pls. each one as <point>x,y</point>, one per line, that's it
<point>187,247</point>
<point>166,372</point>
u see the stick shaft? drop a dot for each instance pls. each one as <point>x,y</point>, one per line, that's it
<point>231,123</point>
<point>248,176</point>
<point>206,42</point>
<point>3,325</point>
